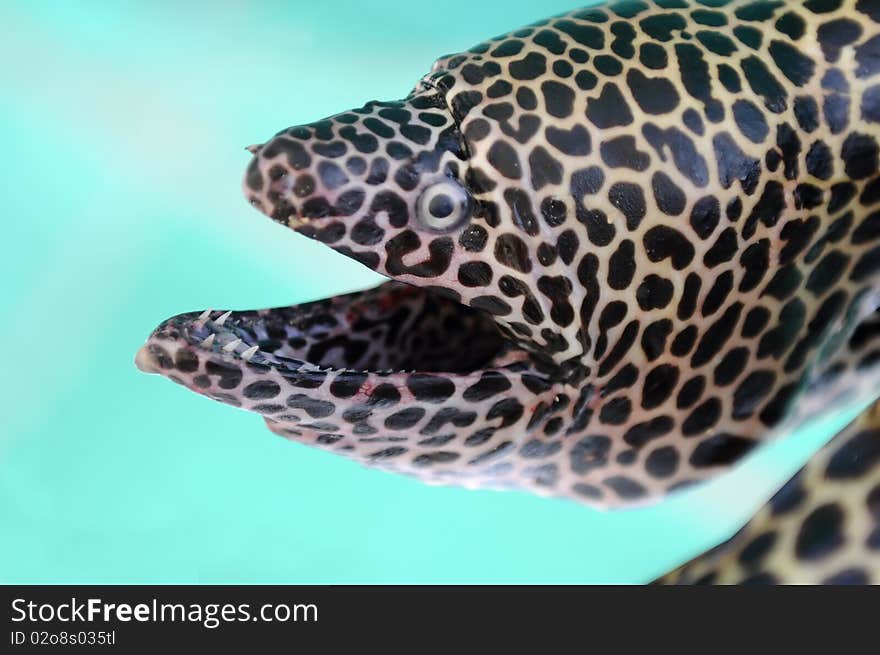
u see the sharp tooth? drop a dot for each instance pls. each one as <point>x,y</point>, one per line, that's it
<point>199,323</point>
<point>232,345</point>
<point>222,319</point>
<point>208,342</point>
<point>250,352</point>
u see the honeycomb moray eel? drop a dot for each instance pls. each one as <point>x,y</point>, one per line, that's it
<point>627,245</point>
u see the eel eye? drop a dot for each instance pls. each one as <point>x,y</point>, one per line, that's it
<point>443,206</point>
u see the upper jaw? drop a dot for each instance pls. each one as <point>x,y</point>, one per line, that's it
<point>341,167</point>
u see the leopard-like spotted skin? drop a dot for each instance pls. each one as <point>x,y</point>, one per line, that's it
<point>629,243</point>
<point>822,527</point>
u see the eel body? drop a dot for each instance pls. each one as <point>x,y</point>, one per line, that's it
<point>627,245</point>
<point>822,527</point>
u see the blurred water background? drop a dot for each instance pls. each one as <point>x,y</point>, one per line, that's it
<point>122,127</point>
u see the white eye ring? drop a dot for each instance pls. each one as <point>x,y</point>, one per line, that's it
<point>443,206</point>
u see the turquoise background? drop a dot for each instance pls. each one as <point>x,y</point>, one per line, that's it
<point>122,127</point>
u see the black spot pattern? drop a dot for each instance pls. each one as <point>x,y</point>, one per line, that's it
<point>598,217</point>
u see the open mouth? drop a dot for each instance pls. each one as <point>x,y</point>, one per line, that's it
<point>400,377</point>
<point>391,328</point>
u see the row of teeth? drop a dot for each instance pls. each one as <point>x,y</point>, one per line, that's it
<point>205,316</point>
<point>208,342</point>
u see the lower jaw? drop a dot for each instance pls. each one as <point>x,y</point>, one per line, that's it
<point>393,327</point>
